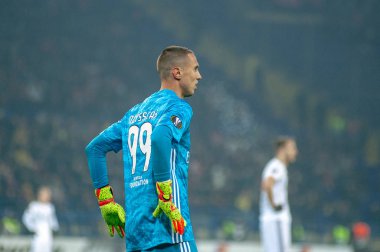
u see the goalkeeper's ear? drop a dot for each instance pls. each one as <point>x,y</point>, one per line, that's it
<point>176,73</point>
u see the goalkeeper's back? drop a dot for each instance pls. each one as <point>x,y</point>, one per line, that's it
<point>161,108</point>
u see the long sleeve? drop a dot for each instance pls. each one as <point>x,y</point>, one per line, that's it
<point>109,140</point>
<point>161,146</point>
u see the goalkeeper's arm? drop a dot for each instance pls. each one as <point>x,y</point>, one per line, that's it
<point>109,140</point>
<point>96,151</point>
<point>161,151</point>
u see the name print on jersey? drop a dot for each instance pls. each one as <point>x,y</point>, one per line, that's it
<point>142,116</point>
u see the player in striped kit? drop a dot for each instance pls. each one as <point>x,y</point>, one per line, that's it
<point>155,138</point>
<point>275,217</point>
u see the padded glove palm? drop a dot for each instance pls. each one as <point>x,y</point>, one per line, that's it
<point>113,213</point>
<point>166,205</point>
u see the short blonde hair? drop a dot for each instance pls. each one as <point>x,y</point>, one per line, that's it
<point>170,57</point>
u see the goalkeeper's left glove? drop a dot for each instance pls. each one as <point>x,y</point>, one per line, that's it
<point>113,213</point>
<point>166,205</point>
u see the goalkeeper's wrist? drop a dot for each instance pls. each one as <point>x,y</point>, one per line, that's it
<point>104,195</point>
<point>164,190</point>
<point>105,202</point>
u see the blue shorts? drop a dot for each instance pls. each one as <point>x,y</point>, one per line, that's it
<point>188,246</point>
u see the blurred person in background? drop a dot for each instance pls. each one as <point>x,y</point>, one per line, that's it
<point>40,218</point>
<point>275,217</point>
<point>155,138</point>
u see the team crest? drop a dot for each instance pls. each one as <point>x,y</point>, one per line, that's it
<point>176,121</point>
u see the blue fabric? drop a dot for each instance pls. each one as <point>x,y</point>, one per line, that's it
<point>96,152</point>
<point>161,148</point>
<point>133,134</point>
<point>178,247</point>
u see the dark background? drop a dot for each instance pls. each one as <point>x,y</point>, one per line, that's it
<point>305,68</point>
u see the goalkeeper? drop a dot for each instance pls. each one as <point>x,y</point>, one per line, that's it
<point>155,138</point>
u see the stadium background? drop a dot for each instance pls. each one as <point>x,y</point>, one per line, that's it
<point>307,68</point>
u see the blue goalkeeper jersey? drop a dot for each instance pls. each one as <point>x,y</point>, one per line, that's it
<point>133,135</point>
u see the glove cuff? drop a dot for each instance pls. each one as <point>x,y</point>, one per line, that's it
<point>164,190</point>
<point>104,195</point>
<point>105,202</point>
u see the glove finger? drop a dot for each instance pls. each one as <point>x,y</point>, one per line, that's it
<point>175,226</point>
<point>157,212</point>
<point>181,226</point>
<point>120,231</point>
<point>121,215</point>
<point>111,230</point>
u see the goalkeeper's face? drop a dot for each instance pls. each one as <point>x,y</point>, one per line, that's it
<point>190,75</point>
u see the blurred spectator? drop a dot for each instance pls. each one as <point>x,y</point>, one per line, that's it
<point>361,234</point>
<point>10,226</point>
<point>341,235</point>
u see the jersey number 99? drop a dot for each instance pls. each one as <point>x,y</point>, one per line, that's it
<point>140,137</point>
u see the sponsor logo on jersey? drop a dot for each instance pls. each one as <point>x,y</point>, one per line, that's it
<point>176,121</point>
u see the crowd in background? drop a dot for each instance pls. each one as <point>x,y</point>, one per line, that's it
<point>67,70</point>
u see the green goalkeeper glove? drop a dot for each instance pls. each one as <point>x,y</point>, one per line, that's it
<point>113,213</point>
<point>165,204</point>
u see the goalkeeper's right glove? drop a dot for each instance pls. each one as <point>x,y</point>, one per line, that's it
<point>113,213</point>
<point>166,205</point>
